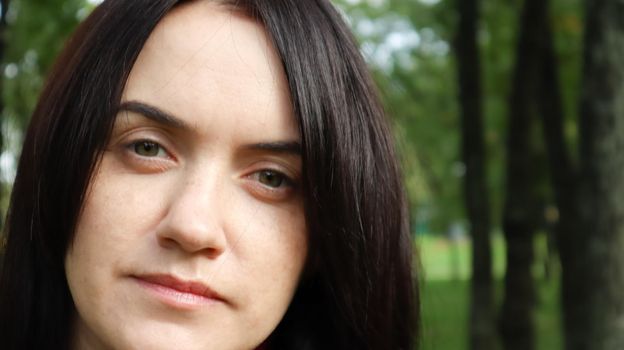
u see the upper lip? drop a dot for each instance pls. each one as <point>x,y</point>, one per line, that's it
<point>181,285</point>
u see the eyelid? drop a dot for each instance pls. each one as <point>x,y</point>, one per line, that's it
<point>151,134</point>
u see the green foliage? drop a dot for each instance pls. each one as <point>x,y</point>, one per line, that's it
<point>409,45</point>
<point>37,30</point>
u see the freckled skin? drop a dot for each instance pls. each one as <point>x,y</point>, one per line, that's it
<point>193,202</point>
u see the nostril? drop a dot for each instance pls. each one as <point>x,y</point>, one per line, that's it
<point>190,244</point>
<point>167,242</point>
<point>211,252</point>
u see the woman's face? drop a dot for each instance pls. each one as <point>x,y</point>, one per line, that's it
<point>192,235</point>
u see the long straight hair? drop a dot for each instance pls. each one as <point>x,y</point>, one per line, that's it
<point>359,290</point>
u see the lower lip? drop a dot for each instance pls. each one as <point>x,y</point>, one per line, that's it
<point>176,298</point>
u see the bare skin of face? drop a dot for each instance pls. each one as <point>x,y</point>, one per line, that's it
<point>193,235</point>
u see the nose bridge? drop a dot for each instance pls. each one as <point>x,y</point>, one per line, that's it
<point>193,220</point>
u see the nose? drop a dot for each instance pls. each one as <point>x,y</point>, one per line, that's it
<point>193,220</point>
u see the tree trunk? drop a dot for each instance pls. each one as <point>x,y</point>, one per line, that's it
<point>569,232</point>
<point>519,218</point>
<point>602,172</point>
<point>3,24</point>
<point>482,323</point>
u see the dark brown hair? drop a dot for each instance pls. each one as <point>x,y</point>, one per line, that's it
<point>359,292</point>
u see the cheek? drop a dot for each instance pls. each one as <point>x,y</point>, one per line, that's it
<point>272,238</point>
<point>119,208</point>
<point>112,220</point>
<point>275,250</point>
<point>91,253</point>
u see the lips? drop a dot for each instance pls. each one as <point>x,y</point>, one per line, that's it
<point>177,292</point>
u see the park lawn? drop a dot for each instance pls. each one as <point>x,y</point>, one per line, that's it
<point>445,315</point>
<point>445,299</point>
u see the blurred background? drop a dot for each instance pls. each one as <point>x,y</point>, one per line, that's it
<point>509,121</point>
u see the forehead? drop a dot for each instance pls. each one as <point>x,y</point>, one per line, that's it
<point>204,59</point>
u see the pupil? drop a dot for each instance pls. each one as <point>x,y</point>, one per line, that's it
<point>146,148</point>
<point>271,179</point>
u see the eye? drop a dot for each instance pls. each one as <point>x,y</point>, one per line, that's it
<point>271,185</point>
<point>146,148</point>
<point>145,151</point>
<point>271,178</point>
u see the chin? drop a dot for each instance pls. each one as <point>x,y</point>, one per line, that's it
<point>160,336</point>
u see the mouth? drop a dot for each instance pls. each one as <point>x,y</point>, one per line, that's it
<point>178,293</point>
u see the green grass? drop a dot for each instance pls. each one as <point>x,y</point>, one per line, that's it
<point>445,293</point>
<point>444,315</point>
<point>443,259</point>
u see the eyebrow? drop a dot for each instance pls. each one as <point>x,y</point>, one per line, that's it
<point>154,113</point>
<point>285,147</point>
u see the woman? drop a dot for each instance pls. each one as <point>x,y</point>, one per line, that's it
<point>211,175</point>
